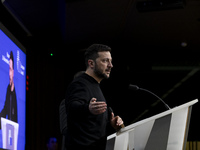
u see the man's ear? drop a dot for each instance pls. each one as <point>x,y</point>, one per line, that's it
<point>91,63</point>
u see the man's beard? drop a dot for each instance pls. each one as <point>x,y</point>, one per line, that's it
<point>99,73</point>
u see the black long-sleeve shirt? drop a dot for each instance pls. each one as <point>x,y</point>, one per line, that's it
<point>85,129</point>
<point>9,110</point>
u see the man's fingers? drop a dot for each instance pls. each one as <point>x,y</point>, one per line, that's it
<point>93,100</point>
<point>97,107</point>
<point>100,105</point>
<point>119,121</point>
<point>112,115</point>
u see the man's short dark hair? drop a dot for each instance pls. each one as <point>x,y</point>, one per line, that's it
<point>92,52</point>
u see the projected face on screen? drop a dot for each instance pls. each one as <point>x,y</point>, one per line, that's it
<point>11,71</point>
<point>12,92</point>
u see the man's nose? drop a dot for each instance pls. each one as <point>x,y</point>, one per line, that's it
<point>110,64</point>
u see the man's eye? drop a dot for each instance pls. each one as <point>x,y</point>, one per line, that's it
<point>106,61</point>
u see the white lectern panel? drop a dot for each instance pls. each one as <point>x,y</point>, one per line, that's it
<point>165,131</point>
<point>9,134</point>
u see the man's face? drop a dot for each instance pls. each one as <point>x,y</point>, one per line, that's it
<point>103,65</point>
<point>11,71</point>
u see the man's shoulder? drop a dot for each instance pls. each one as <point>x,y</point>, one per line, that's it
<point>82,79</point>
<point>8,87</point>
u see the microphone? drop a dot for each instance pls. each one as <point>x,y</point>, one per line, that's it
<point>111,111</point>
<point>135,88</point>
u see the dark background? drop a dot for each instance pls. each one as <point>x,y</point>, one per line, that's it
<point>146,49</point>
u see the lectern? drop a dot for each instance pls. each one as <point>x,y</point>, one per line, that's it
<point>9,134</point>
<point>165,131</point>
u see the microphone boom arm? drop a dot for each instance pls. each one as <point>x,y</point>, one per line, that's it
<point>156,96</point>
